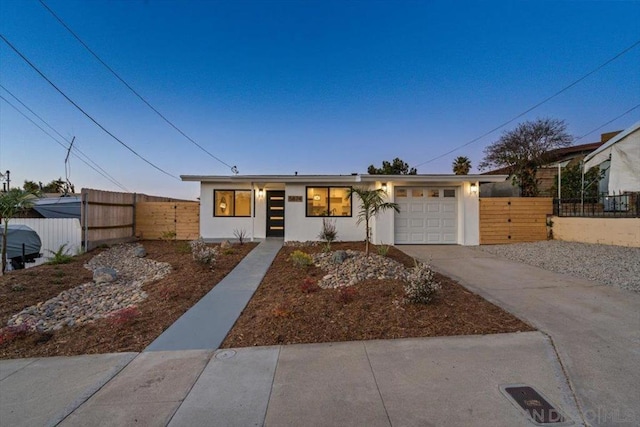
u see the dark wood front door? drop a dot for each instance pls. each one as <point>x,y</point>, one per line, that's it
<point>275,213</point>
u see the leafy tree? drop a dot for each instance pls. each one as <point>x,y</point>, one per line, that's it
<point>371,203</point>
<point>55,186</point>
<point>524,149</point>
<point>31,186</point>
<point>461,165</point>
<point>12,202</point>
<point>571,182</point>
<point>396,167</point>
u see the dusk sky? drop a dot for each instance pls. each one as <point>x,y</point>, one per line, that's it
<point>317,87</point>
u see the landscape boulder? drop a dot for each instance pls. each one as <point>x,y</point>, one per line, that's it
<point>338,257</point>
<point>140,252</point>
<point>104,275</point>
<point>225,244</point>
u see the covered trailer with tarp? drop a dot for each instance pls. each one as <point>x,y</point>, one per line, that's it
<point>23,245</point>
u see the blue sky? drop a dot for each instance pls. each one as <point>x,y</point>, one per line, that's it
<point>314,87</point>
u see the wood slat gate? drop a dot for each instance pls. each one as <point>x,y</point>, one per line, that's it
<point>168,220</point>
<point>514,219</point>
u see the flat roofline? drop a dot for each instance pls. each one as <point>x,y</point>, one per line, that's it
<point>344,178</point>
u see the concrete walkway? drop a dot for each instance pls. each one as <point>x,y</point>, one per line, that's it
<point>595,329</point>
<point>205,325</point>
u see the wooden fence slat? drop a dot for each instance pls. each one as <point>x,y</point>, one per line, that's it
<point>513,220</point>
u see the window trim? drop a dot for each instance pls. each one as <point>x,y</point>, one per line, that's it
<point>328,187</point>
<point>252,194</point>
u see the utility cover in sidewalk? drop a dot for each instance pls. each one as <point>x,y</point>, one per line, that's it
<point>534,405</point>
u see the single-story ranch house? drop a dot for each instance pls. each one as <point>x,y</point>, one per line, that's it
<point>434,209</point>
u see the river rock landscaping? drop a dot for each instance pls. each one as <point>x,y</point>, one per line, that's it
<point>81,308</point>
<point>343,295</point>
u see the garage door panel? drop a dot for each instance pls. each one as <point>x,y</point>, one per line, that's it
<point>417,208</point>
<point>416,223</point>
<point>425,219</point>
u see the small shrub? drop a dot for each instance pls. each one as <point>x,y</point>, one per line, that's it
<point>282,310</point>
<point>346,294</point>
<point>202,253</point>
<point>60,256</point>
<point>9,333</point>
<point>17,287</point>
<point>241,235</point>
<point>383,250</point>
<point>228,251</point>
<point>168,235</point>
<point>421,286</point>
<point>328,233</point>
<point>124,315</point>
<point>183,248</point>
<point>301,259</point>
<point>309,286</point>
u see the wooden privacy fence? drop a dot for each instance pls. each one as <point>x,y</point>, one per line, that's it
<point>168,220</point>
<point>110,217</point>
<point>514,219</point>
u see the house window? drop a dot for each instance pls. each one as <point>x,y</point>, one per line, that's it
<point>449,193</point>
<point>232,203</point>
<point>328,201</point>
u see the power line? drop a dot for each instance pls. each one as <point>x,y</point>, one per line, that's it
<point>60,143</point>
<point>598,68</point>
<point>84,112</point>
<point>608,123</point>
<point>95,55</point>
<point>75,148</point>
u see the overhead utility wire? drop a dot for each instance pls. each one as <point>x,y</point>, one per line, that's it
<point>598,68</point>
<point>60,143</point>
<point>609,122</point>
<point>84,112</point>
<point>95,55</point>
<point>75,148</point>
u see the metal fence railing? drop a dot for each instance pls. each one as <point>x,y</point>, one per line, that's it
<point>604,206</point>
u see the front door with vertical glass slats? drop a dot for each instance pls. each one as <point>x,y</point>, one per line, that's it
<point>275,213</point>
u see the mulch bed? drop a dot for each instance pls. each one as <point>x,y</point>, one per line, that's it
<point>168,299</point>
<point>282,311</point>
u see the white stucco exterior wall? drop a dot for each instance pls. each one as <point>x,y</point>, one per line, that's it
<point>468,216</point>
<point>222,227</point>
<point>299,227</point>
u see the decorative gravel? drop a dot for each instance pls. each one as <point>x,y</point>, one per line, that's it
<point>355,268</point>
<point>611,265</point>
<point>91,301</point>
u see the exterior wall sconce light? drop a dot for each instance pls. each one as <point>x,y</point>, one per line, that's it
<point>260,193</point>
<point>473,188</point>
<point>384,187</point>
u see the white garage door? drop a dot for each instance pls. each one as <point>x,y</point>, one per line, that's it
<point>427,215</point>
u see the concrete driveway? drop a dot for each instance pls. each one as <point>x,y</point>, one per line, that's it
<point>595,329</point>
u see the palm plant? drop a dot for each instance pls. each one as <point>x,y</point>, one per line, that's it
<point>371,203</point>
<point>461,165</point>
<point>11,203</point>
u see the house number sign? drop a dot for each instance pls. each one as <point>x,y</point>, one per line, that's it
<point>295,198</point>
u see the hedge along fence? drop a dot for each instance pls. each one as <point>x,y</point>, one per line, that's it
<point>514,219</point>
<point>110,217</point>
<point>168,220</point>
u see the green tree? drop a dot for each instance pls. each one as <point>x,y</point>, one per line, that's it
<point>524,149</point>
<point>396,167</point>
<point>371,203</point>
<point>11,203</point>
<point>461,165</point>
<point>571,182</point>
<point>31,186</point>
<point>55,186</point>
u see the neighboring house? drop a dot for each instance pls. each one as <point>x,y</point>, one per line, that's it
<point>547,175</point>
<point>437,209</point>
<point>621,157</point>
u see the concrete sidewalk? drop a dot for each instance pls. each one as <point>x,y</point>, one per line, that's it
<point>205,325</point>
<point>595,329</point>
<point>451,381</point>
